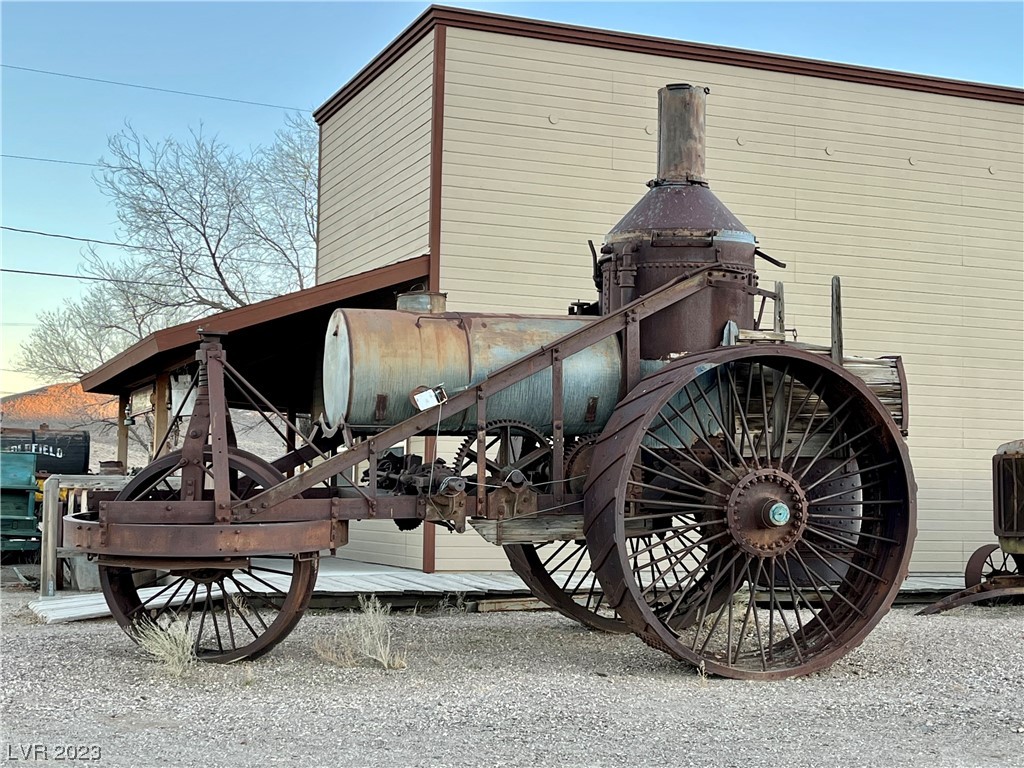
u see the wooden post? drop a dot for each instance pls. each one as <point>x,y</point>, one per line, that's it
<point>291,437</point>
<point>161,411</point>
<point>837,321</point>
<point>122,430</point>
<point>779,323</point>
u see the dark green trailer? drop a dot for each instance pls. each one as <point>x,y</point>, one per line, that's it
<point>19,529</point>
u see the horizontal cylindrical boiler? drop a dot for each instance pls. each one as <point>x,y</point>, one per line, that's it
<point>374,359</point>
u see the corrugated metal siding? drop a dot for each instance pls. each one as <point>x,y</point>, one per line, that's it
<point>548,144</point>
<point>375,179</point>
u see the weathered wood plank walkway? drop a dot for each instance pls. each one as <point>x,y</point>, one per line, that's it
<point>339,579</point>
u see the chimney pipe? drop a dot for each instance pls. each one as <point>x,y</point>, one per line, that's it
<point>681,109</point>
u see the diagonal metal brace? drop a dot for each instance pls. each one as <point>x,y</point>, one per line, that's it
<point>513,373</point>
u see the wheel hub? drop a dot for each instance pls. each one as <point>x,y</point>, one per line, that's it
<point>766,512</point>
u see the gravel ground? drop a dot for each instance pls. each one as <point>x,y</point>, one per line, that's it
<point>527,688</point>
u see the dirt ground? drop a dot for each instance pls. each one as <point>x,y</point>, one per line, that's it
<point>523,688</point>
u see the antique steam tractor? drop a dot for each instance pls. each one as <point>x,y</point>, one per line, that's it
<point>995,572</point>
<point>655,462</point>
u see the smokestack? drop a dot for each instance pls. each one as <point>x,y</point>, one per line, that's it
<point>677,229</point>
<point>681,110</point>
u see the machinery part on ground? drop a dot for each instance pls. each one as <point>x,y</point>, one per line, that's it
<point>232,608</point>
<point>991,562</point>
<point>19,523</point>
<point>995,572</point>
<point>725,443</point>
<point>1008,498</point>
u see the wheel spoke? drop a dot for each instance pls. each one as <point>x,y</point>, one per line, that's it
<point>154,596</point>
<point>682,478</point>
<point>715,482</point>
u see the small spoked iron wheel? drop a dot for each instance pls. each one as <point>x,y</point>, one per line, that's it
<point>751,511</point>
<point>990,562</point>
<point>558,573</point>
<point>235,609</point>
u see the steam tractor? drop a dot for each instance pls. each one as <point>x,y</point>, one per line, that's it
<point>663,461</point>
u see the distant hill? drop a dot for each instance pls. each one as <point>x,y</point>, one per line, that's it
<point>63,406</point>
<point>66,406</point>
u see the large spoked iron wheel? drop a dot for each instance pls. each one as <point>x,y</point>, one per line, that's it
<point>751,511</point>
<point>558,573</point>
<point>233,610</point>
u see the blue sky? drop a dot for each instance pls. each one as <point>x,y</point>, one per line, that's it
<point>298,54</point>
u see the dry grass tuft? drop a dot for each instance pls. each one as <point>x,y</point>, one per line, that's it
<point>366,637</point>
<point>702,676</point>
<point>171,644</point>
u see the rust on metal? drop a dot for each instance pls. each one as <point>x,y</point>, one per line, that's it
<point>995,572</point>
<point>740,503</point>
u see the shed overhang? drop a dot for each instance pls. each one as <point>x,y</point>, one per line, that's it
<point>275,344</point>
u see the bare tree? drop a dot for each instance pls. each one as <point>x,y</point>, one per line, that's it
<point>207,229</point>
<point>281,211</point>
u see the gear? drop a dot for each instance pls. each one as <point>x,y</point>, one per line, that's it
<point>577,462</point>
<point>515,445</point>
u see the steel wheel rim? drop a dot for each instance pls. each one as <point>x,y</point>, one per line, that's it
<point>227,609</point>
<point>686,612</point>
<point>560,575</point>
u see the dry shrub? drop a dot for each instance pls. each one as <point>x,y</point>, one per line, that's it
<point>365,638</point>
<point>171,644</point>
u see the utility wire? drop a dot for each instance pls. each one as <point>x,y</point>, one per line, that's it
<point>154,249</point>
<point>151,248</point>
<point>108,280</point>
<point>87,277</point>
<point>154,88</point>
<point>51,160</point>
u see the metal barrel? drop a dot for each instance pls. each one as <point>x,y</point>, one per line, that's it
<point>374,359</point>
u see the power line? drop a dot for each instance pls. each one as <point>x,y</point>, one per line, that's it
<point>111,280</point>
<point>51,160</point>
<point>151,248</point>
<point>154,88</point>
<point>91,240</point>
<point>87,277</point>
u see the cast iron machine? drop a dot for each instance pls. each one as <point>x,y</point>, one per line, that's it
<point>995,572</point>
<point>656,462</point>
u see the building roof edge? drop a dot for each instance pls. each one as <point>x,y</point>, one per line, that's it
<point>462,18</point>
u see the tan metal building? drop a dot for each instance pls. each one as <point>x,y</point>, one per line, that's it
<point>500,145</point>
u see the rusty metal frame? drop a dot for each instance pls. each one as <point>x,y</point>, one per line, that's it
<point>294,516</point>
<point>513,373</point>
